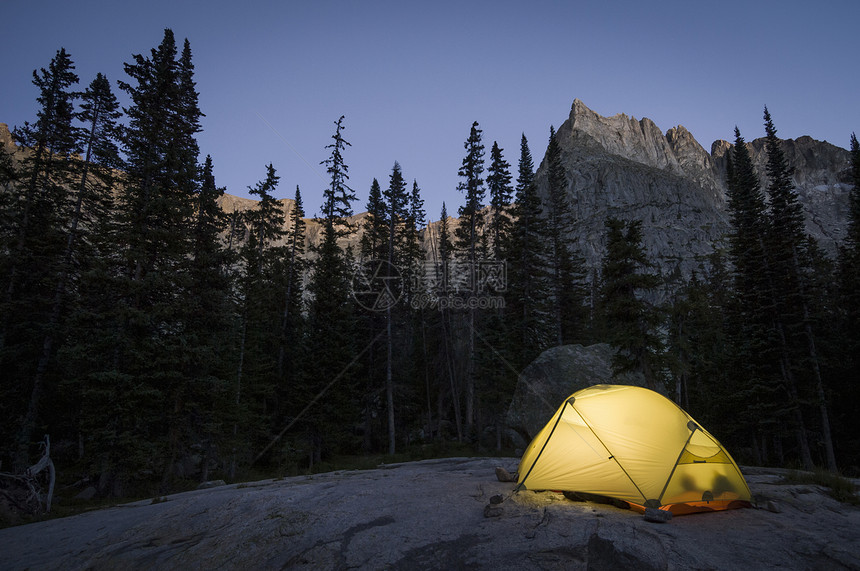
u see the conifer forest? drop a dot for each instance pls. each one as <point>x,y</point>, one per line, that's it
<point>159,338</point>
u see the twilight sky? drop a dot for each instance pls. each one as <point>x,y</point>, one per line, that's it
<point>411,77</point>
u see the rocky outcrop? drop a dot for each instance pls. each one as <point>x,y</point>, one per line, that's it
<point>822,179</point>
<point>235,205</point>
<point>8,143</point>
<point>448,513</point>
<point>6,137</point>
<point>553,376</point>
<point>627,168</point>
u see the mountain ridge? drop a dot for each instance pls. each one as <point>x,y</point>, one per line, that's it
<point>627,168</point>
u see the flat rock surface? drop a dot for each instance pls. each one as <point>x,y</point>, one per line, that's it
<point>435,514</point>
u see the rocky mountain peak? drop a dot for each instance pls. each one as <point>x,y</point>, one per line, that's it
<point>641,140</point>
<point>629,169</point>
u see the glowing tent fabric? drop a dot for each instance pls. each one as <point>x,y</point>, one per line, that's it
<point>635,445</point>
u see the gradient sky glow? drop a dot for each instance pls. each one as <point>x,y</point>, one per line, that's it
<point>411,77</point>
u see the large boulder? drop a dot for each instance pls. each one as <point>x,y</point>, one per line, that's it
<point>556,374</point>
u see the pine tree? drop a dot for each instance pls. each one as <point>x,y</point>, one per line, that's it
<point>86,211</point>
<point>32,263</point>
<point>292,317</point>
<point>443,256</point>
<point>445,245</point>
<point>848,386</point>
<point>760,337</point>
<point>205,404</point>
<point>338,196</point>
<point>567,267</point>
<point>374,240</point>
<point>468,232</point>
<point>632,322</point>
<point>527,265</point>
<point>469,242</point>
<point>373,250</point>
<point>415,358</point>
<point>152,295</point>
<point>750,323</point>
<point>697,346</point>
<point>786,241</point>
<point>397,210</point>
<point>398,214</point>
<point>413,256</point>
<point>258,293</point>
<point>852,239</point>
<point>40,197</point>
<point>501,193</point>
<point>331,320</point>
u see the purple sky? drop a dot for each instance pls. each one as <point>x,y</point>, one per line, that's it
<point>411,77</point>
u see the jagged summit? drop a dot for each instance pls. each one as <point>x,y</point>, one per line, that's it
<point>641,140</point>
<point>627,168</point>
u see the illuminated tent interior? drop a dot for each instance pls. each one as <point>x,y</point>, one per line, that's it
<point>635,445</point>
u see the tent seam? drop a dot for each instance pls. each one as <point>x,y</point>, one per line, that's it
<point>612,456</point>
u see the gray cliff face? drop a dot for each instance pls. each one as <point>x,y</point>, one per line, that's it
<point>626,168</point>
<point>822,178</point>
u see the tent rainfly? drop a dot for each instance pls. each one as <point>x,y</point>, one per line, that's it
<point>635,445</point>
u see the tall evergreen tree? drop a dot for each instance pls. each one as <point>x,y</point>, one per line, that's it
<point>501,193</point>
<point>632,322</point>
<point>373,249</point>
<point>41,194</point>
<point>338,196</point>
<point>750,323</point>
<point>446,248</point>
<point>850,263</point>
<point>374,240</point>
<point>205,403</point>
<point>331,313</point>
<point>567,267</point>
<point>697,347</point>
<point>471,172</point>
<point>853,236</point>
<point>413,256</point>
<point>469,242</point>
<point>786,242</point>
<point>87,210</point>
<point>152,302</point>
<point>397,210</point>
<point>398,213</point>
<point>443,256</point>
<point>527,266</point>
<point>847,381</point>
<point>259,291</point>
<point>291,320</point>
<point>415,358</point>
<point>32,261</point>
<point>759,334</point>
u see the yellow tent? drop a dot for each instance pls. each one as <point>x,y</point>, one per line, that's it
<point>635,445</point>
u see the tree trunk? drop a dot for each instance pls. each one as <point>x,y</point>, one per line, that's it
<point>455,395</point>
<point>820,395</point>
<point>29,423</point>
<point>238,392</point>
<point>389,387</point>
